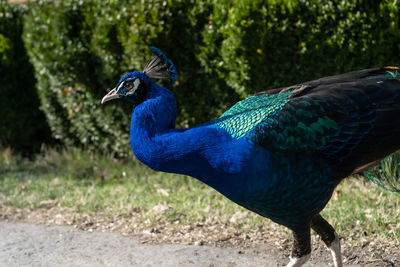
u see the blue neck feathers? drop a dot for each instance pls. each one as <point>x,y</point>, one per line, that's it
<point>157,143</point>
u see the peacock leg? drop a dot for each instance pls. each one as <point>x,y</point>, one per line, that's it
<point>301,247</point>
<point>329,236</point>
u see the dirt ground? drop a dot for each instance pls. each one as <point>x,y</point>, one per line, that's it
<point>270,246</point>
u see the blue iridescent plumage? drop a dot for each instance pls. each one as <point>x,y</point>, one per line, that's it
<point>279,153</point>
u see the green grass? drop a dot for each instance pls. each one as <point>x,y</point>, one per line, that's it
<point>359,208</point>
<point>100,184</point>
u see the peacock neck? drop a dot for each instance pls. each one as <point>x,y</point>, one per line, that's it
<point>157,143</point>
<point>155,116</point>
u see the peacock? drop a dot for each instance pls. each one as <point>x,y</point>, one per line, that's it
<point>279,153</point>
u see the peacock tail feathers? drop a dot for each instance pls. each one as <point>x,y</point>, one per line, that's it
<point>391,73</point>
<point>395,74</point>
<point>386,174</point>
<point>160,67</point>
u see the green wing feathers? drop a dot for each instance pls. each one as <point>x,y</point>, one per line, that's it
<point>244,116</point>
<point>306,125</point>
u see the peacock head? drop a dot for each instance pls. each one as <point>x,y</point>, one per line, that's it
<point>134,86</point>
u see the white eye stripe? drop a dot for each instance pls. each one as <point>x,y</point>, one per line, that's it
<point>120,86</point>
<point>136,84</point>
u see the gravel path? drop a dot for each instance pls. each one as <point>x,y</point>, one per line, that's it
<point>32,245</point>
<point>38,245</point>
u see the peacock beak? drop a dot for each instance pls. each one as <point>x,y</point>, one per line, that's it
<point>111,95</point>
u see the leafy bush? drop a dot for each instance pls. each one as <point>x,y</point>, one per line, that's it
<point>255,46</point>
<point>223,50</point>
<point>22,125</point>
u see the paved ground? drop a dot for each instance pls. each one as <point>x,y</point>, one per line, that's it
<point>36,245</point>
<point>31,245</point>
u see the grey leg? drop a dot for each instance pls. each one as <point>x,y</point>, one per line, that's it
<point>301,248</point>
<point>329,237</point>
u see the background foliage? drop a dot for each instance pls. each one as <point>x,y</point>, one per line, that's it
<point>256,46</point>
<point>223,50</point>
<point>22,124</point>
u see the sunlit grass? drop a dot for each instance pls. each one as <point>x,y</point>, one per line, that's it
<point>358,208</point>
<point>100,184</point>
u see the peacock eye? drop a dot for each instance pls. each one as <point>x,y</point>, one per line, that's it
<point>128,85</point>
<point>131,86</point>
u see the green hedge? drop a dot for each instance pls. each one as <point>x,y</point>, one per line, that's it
<point>256,46</point>
<point>223,50</point>
<point>22,125</point>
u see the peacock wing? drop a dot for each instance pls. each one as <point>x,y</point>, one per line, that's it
<point>336,118</point>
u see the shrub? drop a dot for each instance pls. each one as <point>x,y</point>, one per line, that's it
<point>22,125</point>
<point>255,46</point>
